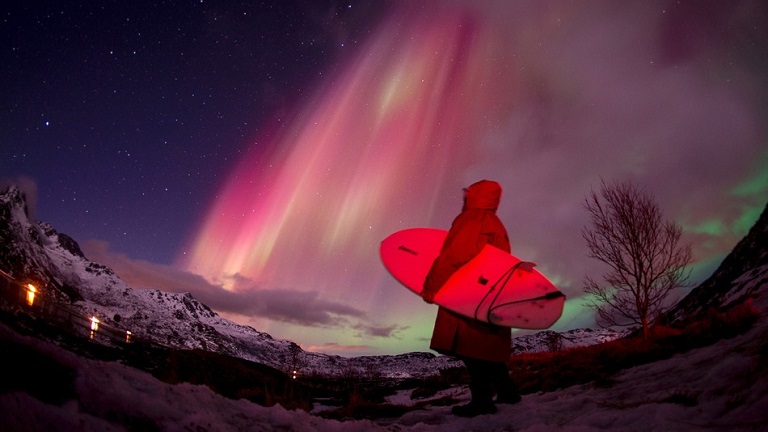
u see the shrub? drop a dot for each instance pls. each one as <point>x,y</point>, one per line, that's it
<point>548,371</point>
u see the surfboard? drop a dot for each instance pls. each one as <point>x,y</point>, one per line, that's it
<point>494,287</point>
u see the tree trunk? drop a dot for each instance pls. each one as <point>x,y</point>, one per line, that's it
<point>646,327</point>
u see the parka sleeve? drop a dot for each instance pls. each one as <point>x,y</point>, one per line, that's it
<point>464,241</point>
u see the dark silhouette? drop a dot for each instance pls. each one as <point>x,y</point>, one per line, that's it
<point>644,254</point>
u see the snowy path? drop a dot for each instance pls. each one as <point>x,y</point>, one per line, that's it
<point>721,387</point>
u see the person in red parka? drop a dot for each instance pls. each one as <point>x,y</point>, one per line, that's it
<point>484,348</point>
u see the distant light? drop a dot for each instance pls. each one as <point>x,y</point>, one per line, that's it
<point>31,290</point>
<point>94,323</point>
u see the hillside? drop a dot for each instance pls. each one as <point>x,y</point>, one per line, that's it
<point>75,289</point>
<point>177,339</point>
<point>720,386</point>
<point>35,252</point>
<point>735,281</point>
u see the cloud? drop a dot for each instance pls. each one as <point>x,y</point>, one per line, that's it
<point>304,308</point>
<point>298,307</point>
<point>615,93</point>
<point>379,330</point>
<point>334,347</point>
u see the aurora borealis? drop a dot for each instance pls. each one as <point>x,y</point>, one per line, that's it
<point>545,97</point>
<point>372,153</point>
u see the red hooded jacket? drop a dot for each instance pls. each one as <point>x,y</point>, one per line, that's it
<point>476,226</point>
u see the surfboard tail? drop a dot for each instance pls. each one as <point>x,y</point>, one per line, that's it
<point>538,313</point>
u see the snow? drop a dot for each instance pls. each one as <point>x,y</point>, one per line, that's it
<point>544,340</point>
<point>721,387</point>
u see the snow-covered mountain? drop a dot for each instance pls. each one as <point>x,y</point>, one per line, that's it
<point>737,278</point>
<point>722,386</point>
<point>549,340</point>
<point>35,251</point>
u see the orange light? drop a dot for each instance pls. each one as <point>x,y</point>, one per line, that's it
<point>94,326</point>
<point>31,290</point>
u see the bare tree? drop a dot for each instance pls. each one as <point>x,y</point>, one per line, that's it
<point>645,257</point>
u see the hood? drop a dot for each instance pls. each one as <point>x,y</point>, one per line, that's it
<point>484,194</point>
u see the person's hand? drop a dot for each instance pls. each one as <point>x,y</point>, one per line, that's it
<point>428,296</point>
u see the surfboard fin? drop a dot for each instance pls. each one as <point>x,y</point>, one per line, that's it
<point>526,265</point>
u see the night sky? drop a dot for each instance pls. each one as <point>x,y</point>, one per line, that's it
<point>256,153</point>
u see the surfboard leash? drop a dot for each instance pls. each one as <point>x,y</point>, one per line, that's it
<point>548,296</point>
<point>503,280</point>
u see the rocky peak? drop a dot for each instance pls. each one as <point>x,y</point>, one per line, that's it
<point>726,287</point>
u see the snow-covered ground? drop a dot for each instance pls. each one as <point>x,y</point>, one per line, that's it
<point>720,387</point>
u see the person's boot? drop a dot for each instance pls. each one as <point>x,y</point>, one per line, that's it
<point>507,392</point>
<point>481,403</point>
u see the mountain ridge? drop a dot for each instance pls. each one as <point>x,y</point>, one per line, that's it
<point>741,265</point>
<point>32,251</point>
<point>36,252</point>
